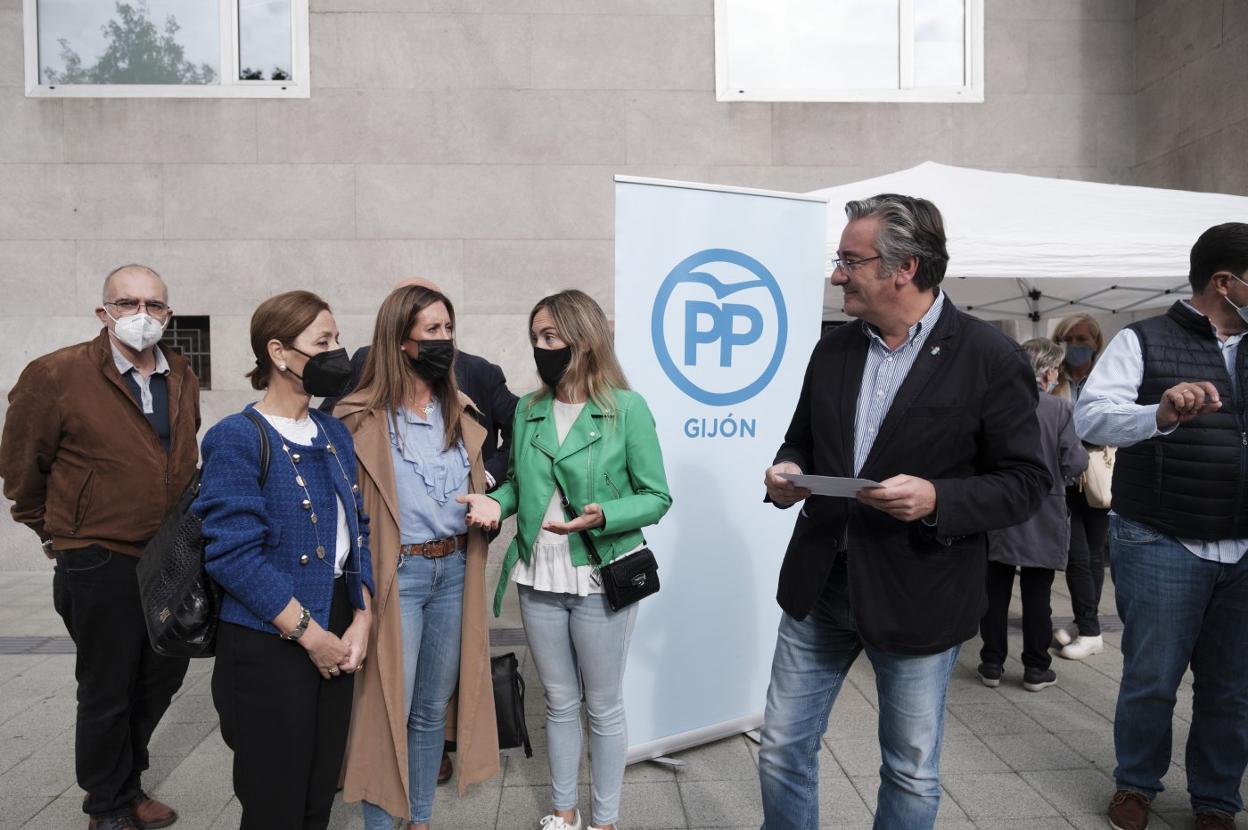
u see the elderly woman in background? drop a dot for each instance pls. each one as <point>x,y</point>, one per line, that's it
<point>1085,569</point>
<point>1038,546</point>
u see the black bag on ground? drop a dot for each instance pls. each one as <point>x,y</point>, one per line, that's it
<point>625,579</point>
<point>509,703</point>
<point>181,603</point>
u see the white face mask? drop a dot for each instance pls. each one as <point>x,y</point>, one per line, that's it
<point>1243,310</point>
<point>138,331</point>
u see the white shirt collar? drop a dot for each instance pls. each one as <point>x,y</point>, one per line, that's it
<point>124,366</point>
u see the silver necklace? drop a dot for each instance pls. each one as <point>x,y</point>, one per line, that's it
<point>294,458</point>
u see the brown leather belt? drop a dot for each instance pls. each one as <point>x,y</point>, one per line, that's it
<point>436,548</point>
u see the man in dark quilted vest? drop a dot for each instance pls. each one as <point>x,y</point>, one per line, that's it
<point>99,443</point>
<point>1169,392</point>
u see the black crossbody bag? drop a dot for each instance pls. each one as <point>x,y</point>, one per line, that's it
<point>625,579</point>
<point>181,602</point>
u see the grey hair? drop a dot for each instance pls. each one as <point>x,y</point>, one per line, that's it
<point>909,227</point>
<point>128,267</point>
<point>1044,354</point>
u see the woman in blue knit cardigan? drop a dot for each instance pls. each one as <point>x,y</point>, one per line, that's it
<point>288,544</point>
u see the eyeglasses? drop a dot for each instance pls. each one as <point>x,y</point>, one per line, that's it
<point>127,306</point>
<point>850,265</point>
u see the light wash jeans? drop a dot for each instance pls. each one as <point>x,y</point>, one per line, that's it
<point>573,640</point>
<point>1179,610</point>
<point>431,599</point>
<point>811,660</point>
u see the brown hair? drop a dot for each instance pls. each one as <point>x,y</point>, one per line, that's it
<point>282,317</point>
<point>388,375</point>
<point>582,325</point>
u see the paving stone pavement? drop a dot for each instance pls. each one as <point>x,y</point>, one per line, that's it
<point>1011,759</point>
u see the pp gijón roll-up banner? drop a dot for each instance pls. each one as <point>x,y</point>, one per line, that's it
<point>718,304</point>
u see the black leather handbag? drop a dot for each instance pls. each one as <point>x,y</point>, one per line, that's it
<point>513,732</point>
<point>625,579</point>
<point>181,603</point>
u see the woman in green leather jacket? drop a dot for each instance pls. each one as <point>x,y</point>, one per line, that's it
<point>586,435</point>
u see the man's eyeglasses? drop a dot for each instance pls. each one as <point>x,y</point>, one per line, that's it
<point>849,265</point>
<point>127,306</point>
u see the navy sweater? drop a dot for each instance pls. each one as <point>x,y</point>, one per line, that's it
<point>260,545</point>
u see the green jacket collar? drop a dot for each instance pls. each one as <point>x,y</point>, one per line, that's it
<point>586,430</point>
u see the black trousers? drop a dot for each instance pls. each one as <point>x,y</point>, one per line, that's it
<point>1085,568</point>
<point>286,724</point>
<point>124,687</point>
<point>1035,584</point>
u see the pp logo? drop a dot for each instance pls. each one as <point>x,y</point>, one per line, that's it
<point>719,326</point>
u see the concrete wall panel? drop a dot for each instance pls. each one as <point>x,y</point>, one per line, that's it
<point>1120,10</point>
<point>1071,56</point>
<point>80,201</point>
<point>673,127</point>
<point>27,269</point>
<point>509,276</point>
<point>32,130</point>
<point>422,51</point>
<point>622,52</point>
<point>264,201</point>
<point>483,201</point>
<point>12,72</point>
<point>1173,34</point>
<point>542,127</point>
<point>1006,55</point>
<point>898,135</point>
<point>129,130</point>
<point>1004,131</point>
<point>25,337</point>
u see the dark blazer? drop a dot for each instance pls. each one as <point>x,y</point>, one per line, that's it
<point>480,380</point>
<point>965,419</point>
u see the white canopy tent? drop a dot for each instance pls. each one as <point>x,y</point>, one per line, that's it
<point>1031,248</point>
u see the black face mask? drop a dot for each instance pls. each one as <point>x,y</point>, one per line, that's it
<point>325,375</point>
<point>551,364</point>
<point>433,359</point>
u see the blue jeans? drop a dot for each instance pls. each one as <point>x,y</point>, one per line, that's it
<point>431,599</point>
<point>1178,609</point>
<point>811,660</point>
<point>573,640</point>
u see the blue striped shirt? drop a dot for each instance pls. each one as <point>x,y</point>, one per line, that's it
<point>883,375</point>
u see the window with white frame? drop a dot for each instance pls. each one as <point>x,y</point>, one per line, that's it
<point>167,48</point>
<point>849,50</point>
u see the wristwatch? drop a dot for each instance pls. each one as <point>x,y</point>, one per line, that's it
<point>305,617</point>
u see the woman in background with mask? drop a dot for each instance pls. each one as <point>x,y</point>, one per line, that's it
<point>586,436</point>
<point>1038,546</point>
<point>1085,568</point>
<point>288,544</point>
<point>418,443</point>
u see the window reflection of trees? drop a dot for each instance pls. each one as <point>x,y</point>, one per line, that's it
<point>137,52</point>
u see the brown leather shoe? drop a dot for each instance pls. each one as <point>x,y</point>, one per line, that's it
<point>1213,820</point>
<point>445,771</point>
<point>1128,810</point>
<point>111,823</point>
<point>150,813</point>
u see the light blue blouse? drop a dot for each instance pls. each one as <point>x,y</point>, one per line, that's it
<point>428,477</point>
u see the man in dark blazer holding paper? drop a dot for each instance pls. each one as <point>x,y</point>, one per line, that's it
<point>940,409</point>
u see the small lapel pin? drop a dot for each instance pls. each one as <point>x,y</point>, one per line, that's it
<point>935,351</point>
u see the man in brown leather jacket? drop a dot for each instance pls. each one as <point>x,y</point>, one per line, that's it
<point>98,443</point>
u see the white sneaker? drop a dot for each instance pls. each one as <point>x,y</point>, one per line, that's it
<point>553,822</point>
<point>1064,636</point>
<point>1083,647</point>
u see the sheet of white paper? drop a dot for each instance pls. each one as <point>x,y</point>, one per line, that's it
<point>845,488</point>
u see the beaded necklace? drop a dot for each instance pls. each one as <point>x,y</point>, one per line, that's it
<point>294,458</point>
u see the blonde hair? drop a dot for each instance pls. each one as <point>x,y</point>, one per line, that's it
<point>581,324</point>
<point>388,375</point>
<point>1064,389</point>
<point>1068,323</point>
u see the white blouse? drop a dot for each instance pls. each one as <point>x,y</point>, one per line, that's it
<point>550,567</point>
<point>301,431</point>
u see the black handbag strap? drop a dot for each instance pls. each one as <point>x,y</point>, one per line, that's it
<point>264,445</point>
<point>585,537</point>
